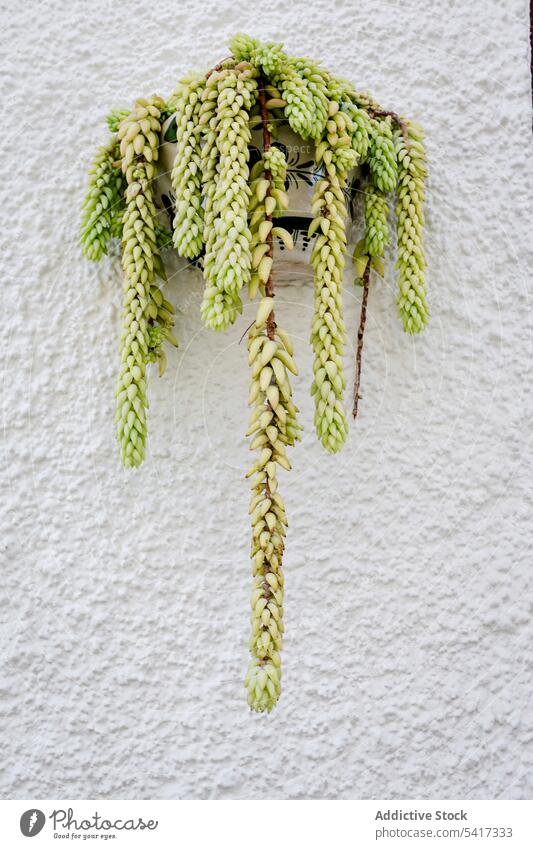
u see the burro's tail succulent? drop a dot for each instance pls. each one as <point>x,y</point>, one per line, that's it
<point>187,174</point>
<point>138,135</point>
<point>103,202</point>
<point>229,195</point>
<point>328,331</point>
<point>228,258</point>
<point>273,427</point>
<point>410,215</point>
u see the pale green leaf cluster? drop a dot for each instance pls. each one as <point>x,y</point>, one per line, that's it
<point>376,220</point>
<point>160,328</point>
<point>410,222</point>
<point>103,204</point>
<point>274,160</point>
<point>382,156</point>
<point>115,118</point>
<point>267,57</point>
<point>339,90</point>
<point>139,142</point>
<point>228,258</point>
<point>209,160</point>
<point>299,109</point>
<point>187,170</point>
<point>163,237</point>
<point>328,331</point>
<point>267,182</point>
<point>360,131</point>
<point>273,426</point>
<point>316,80</point>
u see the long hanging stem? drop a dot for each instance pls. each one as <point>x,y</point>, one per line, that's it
<point>186,172</point>
<point>411,263</point>
<point>228,259</point>
<point>139,145</point>
<point>269,285</point>
<point>328,330</point>
<point>103,204</point>
<point>360,337</point>
<point>273,426</point>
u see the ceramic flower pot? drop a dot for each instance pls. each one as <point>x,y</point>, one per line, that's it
<point>302,174</point>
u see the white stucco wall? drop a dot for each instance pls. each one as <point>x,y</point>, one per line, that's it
<point>124,615</point>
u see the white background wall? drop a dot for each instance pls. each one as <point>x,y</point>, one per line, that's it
<point>124,612</point>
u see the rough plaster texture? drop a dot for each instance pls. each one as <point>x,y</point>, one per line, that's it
<point>124,611</point>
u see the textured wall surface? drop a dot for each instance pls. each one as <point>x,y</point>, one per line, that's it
<point>124,613</point>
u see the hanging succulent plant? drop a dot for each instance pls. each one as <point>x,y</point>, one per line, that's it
<point>224,211</point>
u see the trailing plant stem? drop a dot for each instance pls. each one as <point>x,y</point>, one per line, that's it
<point>273,427</point>
<point>269,285</point>
<point>360,337</point>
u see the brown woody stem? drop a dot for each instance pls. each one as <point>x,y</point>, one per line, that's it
<point>219,66</point>
<point>384,113</point>
<point>360,337</point>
